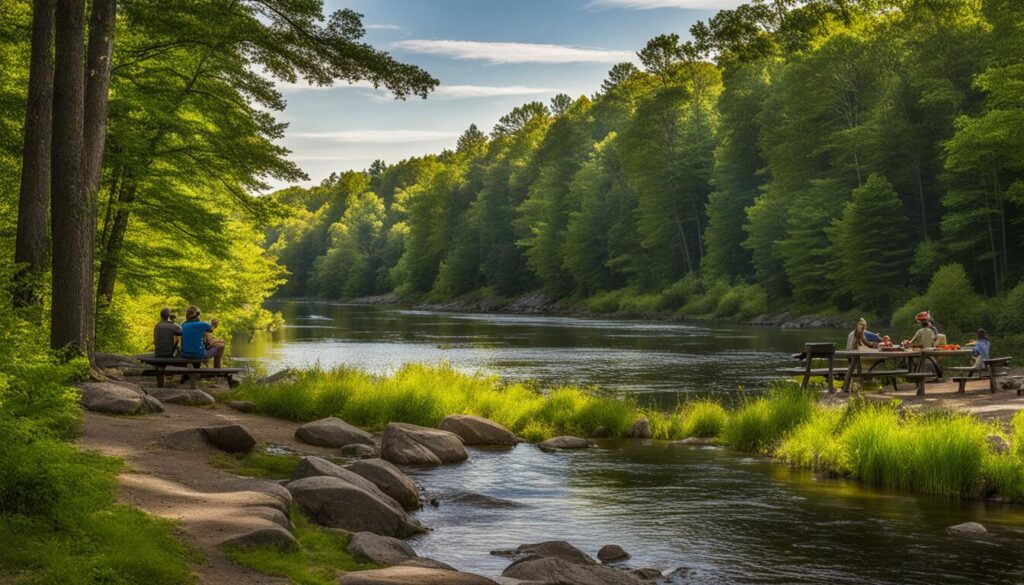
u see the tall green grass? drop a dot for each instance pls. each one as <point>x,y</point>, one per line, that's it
<point>759,424</point>
<point>424,395</point>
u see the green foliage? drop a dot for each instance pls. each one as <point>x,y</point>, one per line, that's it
<point>761,423</point>
<point>950,299</point>
<point>320,558</point>
<point>424,395</point>
<point>702,418</point>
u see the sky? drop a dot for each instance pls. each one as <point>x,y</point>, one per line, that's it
<point>489,55</point>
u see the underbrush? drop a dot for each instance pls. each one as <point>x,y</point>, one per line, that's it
<point>322,554</point>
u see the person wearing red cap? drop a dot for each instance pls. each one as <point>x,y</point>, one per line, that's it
<point>925,336</point>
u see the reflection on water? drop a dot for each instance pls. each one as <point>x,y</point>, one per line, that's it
<point>728,517</point>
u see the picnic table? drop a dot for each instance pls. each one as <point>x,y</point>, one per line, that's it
<point>856,369</point>
<point>191,367</point>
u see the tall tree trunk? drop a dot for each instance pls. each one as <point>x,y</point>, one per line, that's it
<point>97,99</point>
<point>71,223</point>
<point>111,258</point>
<point>683,247</point>
<point>30,245</point>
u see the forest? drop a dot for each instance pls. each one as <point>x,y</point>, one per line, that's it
<point>807,156</point>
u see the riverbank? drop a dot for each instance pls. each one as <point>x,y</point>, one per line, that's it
<point>538,303</point>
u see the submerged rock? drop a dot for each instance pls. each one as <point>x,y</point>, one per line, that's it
<point>233,438</point>
<point>562,572</point>
<point>332,432</point>
<point>565,442</point>
<point>967,529</point>
<point>406,444</point>
<point>336,503</point>
<point>611,553</point>
<point>475,430</point>
<point>385,550</point>
<point>413,576</point>
<point>390,480</point>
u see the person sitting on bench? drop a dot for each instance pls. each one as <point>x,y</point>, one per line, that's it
<point>982,349</point>
<point>210,341</point>
<point>193,338</point>
<point>166,335</point>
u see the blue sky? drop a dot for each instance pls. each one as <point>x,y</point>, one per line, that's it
<point>490,56</point>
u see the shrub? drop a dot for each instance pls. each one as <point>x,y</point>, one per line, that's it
<point>742,302</point>
<point>677,294</point>
<point>813,444</point>
<point>760,424</point>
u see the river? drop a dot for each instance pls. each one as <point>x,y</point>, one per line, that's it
<point>726,517</point>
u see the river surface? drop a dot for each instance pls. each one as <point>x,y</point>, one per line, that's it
<point>726,517</point>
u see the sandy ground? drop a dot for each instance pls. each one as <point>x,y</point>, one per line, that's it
<point>211,505</point>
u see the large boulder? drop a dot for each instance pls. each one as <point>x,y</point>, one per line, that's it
<point>565,442</point>
<point>332,432</point>
<point>474,430</point>
<point>384,550</point>
<point>413,576</point>
<point>193,439</point>
<point>316,466</point>
<point>233,438</point>
<point>562,572</point>
<point>360,451</point>
<point>555,549</point>
<point>183,396</point>
<point>334,502</point>
<point>272,536</point>
<point>406,444</point>
<point>113,398</point>
<point>390,480</point>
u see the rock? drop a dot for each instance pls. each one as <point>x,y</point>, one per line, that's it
<point>332,432</point>
<point>997,444</point>
<point>273,514</point>
<point>412,576</point>
<point>641,429</point>
<point>565,443</point>
<point>233,438</point>
<point>360,451</point>
<point>279,495</point>
<point>562,572</point>
<point>380,549</point>
<point>476,500</point>
<point>474,430</point>
<point>113,360</point>
<point>427,564</point>
<point>555,549</point>
<point>390,480</point>
<point>317,467</point>
<point>183,396</point>
<point>150,404</point>
<point>406,444</point>
<point>275,537</point>
<point>244,406</point>
<point>284,375</point>
<point>611,553</point>
<point>967,529</point>
<point>111,398</point>
<point>1010,384</point>
<point>336,503</point>
<point>186,440</point>
<point>646,573</point>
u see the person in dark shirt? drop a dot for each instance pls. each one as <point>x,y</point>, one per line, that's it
<point>166,335</point>
<point>193,338</point>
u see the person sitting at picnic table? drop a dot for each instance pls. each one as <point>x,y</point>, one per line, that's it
<point>166,335</point>
<point>193,338</point>
<point>925,336</point>
<point>209,340</point>
<point>861,338</point>
<point>982,349</point>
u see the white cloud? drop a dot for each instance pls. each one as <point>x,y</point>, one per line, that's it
<point>378,136</point>
<point>651,4</point>
<point>485,91</point>
<point>382,27</point>
<point>498,52</point>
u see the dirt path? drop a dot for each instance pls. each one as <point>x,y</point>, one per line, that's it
<point>211,505</point>
<point>977,400</point>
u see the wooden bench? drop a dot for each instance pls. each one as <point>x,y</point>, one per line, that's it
<point>163,366</point>
<point>993,370</point>
<point>813,351</point>
<point>919,378</point>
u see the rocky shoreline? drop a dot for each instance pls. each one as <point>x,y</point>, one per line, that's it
<point>541,304</point>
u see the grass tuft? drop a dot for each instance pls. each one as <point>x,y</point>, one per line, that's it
<point>258,464</point>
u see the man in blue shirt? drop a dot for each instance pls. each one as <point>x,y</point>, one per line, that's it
<point>193,338</point>
<point>982,349</point>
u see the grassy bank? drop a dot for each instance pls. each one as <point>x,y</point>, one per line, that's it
<point>939,451</point>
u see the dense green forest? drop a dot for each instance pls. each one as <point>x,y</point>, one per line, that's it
<point>813,156</point>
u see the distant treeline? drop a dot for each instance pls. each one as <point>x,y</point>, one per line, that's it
<point>814,155</point>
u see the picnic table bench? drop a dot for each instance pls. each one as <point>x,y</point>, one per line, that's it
<point>162,366</point>
<point>991,370</point>
<point>856,369</point>
<point>813,351</point>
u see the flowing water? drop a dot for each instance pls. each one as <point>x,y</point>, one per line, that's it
<point>726,517</point>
